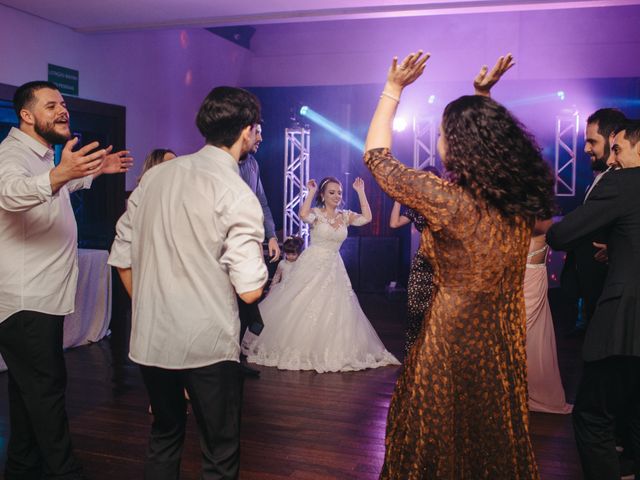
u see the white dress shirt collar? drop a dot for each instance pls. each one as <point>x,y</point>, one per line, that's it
<point>221,156</point>
<point>44,152</point>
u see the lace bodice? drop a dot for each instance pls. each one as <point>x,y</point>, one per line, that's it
<point>331,232</point>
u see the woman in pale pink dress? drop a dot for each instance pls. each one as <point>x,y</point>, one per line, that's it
<point>546,393</point>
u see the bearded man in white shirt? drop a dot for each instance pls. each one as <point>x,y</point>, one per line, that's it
<point>191,239</point>
<point>38,275</point>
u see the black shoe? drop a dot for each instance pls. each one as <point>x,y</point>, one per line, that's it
<point>248,371</point>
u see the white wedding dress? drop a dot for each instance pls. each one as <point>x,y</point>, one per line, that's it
<point>312,319</point>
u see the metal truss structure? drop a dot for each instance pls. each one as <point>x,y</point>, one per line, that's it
<point>567,126</point>
<point>296,175</point>
<point>424,142</point>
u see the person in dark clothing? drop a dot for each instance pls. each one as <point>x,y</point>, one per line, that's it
<point>583,276</point>
<point>250,173</point>
<point>610,385</point>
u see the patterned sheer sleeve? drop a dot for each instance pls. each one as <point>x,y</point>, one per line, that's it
<point>311,218</point>
<point>438,200</point>
<point>354,218</point>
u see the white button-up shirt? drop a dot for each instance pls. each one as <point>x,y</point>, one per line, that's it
<point>192,237</point>
<point>38,233</point>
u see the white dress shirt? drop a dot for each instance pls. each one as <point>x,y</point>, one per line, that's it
<point>192,237</point>
<point>38,233</point>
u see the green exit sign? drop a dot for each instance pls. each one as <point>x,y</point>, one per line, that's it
<point>66,79</point>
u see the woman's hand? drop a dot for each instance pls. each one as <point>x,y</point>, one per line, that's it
<point>485,80</point>
<point>312,186</point>
<point>358,185</point>
<point>407,72</point>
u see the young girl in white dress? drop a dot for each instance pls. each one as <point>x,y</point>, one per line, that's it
<point>312,320</point>
<point>291,248</point>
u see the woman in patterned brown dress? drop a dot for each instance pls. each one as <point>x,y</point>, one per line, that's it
<point>459,410</point>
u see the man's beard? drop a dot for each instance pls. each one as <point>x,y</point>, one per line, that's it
<point>251,151</point>
<point>47,131</point>
<point>600,164</point>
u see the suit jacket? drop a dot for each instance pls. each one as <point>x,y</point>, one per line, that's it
<point>614,205</point>
<point>582,275</point>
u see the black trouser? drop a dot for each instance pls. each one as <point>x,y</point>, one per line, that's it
<point>215,392</point>
<point>609,389</point>
<point>244,312</point>
<point>249,314</point>
<point>40,444</point>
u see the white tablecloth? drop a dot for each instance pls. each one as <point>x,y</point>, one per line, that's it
<point>90,320</point>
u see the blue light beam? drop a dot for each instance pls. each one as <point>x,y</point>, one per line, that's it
<point>331,127</point>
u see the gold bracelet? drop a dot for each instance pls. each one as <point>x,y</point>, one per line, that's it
<point>388,95</point>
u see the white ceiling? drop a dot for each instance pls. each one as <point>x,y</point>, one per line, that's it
<point>94,16</point>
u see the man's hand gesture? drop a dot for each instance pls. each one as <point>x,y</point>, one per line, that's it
<point>118,162</point>
<point>84,161</point>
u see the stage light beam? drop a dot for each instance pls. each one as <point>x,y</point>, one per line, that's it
<point>331,127</point>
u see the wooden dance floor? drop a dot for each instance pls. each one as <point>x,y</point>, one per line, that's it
<point>295,425</point>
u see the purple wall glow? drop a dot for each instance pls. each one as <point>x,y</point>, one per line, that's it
<point>160,76</point>
<point>576,43</point>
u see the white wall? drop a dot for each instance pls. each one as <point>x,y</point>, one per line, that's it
<point>554,44</point>
<point>146,72</point>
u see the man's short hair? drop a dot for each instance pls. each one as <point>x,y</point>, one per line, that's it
<point>607,119</point>
<point>225,112</point>
<point>631,130</point>
<point>25,94</point>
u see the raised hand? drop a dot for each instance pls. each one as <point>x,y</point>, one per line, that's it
<point>312,185</point>
<point>408,71</point>
<point>358,185</point>
<point>78,164</point>
<point>118,162</point>
<point>486,79</point>
<point>82,162</point>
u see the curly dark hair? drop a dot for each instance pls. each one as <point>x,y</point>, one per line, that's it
<point>491,154</point>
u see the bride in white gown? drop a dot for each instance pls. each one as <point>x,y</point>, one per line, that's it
<point>312,319</point>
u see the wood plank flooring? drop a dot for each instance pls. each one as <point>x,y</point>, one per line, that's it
<point>295,425</point>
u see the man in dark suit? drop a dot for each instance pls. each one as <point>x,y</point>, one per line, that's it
<point>610,385</point>
<point>583,276</point>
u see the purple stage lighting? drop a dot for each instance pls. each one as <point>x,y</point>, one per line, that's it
<point>399,124</point>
